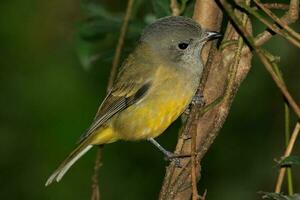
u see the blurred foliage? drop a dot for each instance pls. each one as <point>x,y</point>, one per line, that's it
<point>276,196</point>
<point>48,99</point>
<point>99,32</point>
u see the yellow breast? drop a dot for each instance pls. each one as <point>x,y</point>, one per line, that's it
<point>160,107</point>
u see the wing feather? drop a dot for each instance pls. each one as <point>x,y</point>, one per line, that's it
<point>129,87</point>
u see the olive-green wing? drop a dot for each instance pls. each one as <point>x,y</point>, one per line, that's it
<point>131,85</point>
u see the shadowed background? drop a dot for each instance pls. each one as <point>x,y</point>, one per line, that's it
<point>55,62</point>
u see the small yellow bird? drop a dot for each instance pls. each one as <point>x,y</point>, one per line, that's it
<point>154,86</point>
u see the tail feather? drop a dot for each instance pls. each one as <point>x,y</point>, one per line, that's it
<point>68,162</point>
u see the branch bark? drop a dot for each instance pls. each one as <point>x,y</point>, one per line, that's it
<point>177,181</point>
<point>174,8</point>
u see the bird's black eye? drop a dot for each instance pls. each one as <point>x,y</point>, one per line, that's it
<point>183,45</point>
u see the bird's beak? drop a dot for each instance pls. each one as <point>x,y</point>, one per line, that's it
<point>211,35</point>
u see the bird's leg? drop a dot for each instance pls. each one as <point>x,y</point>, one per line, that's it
<point>168,155</point>
<point>198,99</point>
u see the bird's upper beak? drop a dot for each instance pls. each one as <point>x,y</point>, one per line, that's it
<point>211,35</point>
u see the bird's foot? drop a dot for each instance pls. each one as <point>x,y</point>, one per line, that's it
<point>172,157</point>
<point>198,99</point>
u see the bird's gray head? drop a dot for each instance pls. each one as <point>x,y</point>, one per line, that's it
<point>177,40</point>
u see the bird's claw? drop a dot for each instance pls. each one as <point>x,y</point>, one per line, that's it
<point>173,158</point>
<point>198,99</point>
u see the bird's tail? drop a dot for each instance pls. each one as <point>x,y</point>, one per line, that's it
<point>103,136</point>
<point>79,151</point>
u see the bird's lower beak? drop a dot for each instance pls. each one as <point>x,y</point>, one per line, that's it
<point>211,35</point>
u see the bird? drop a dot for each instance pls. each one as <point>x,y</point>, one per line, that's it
<point>154,86</point>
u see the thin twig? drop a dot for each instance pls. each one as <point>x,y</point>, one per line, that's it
<point>278,6</point>
<point>237,58</point>
<point>287,133</point>
<point>280,84</point>
<point>275,6</point>
<point>289,17</point>
<point>195,195</point>
<point>267,63</point>
<point>288,152</point>
<point>273,27</point>
<point>194,167</point>
<point>174,8</point>
<point>278,20</point>
<point>287,139</point>
<point>120,45</point>
<point>95,182</point>
<point>203,197</point>
<point>113,72</point>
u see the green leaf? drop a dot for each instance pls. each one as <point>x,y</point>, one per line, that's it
<point>290,160</point>
<point>97,28</point>
<point>277,196</point>
<point>161,8</point>
<point>188,8</point>
<point>96,39</point>
<point>94,9</point>
<point>97,36</point>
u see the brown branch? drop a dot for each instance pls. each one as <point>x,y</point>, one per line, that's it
<point>277,6</point>
<point>277,20</point>
<point>273,27</point>
<point>95,182</point>
<point>174,8</point>
<point>177,183</point>
<point>280,84</point>
<point>288,152</point>
<point>116,60</point>
<point>195,195</point>
<point>237,58</point>
<point>174,176</point>
<point>290,17</point>
<point>263,57</point>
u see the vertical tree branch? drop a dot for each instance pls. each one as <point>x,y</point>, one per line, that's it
<point>95,183</point>
<point>174,8</point>
<point>177,182</point>
<point>289,176</point>
<point>194,168</point>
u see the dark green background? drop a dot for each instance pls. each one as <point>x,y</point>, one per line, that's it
<point>48,99</point>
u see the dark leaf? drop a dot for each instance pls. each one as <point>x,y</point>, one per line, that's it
<point>277,196</point>
<point>290,160</point>
<point>161,8</point>
<point>97,38</point>
<point>97,28</point>
<point>188,8</point>
<point>94,9</point>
